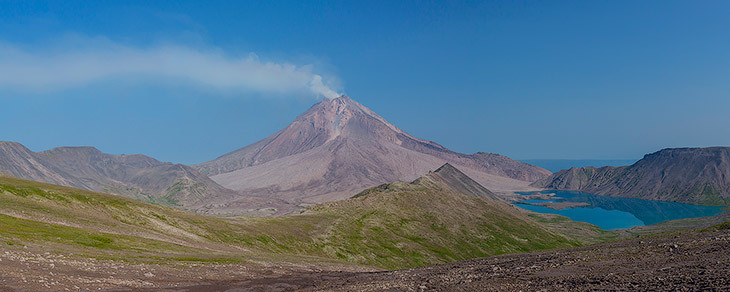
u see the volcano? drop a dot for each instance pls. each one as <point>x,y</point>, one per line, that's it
<point>339,147</point>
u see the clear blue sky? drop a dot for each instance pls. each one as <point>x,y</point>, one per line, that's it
<point>550,79</point>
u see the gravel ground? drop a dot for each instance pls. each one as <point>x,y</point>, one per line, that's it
<point>23,269</point>
<point>680,261</point>
<point>685,261</point>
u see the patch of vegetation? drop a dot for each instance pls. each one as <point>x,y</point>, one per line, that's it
<point>402,226</point>
<point>710,196</point>
<point>721,226</point>
<point>78,239</point>
<point>394,226</point>
<point>181,187</point>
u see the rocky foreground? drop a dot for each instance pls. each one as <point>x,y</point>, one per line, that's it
<point>677,261</point>
<point>680,261</point>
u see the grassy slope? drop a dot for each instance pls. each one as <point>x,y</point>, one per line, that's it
<point>405,225</point>
<point>103,225</point>
<point>423,224</point>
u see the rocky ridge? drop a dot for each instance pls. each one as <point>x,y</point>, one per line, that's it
<point>687,175</point>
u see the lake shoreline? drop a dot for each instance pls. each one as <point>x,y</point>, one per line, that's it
<point>607,212</point>
<point>556,205</point>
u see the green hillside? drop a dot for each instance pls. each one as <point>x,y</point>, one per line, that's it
<point>393,226</point>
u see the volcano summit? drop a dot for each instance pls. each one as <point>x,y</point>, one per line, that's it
<point>339,147</point>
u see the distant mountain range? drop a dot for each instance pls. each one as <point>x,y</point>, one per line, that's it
<point>555,165</point>
<point>688,175</point>
<point>134,176</point>
<point>338,148</point>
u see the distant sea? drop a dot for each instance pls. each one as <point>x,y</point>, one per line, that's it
<point>555,165</point>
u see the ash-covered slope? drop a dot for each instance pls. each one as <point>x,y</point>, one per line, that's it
<point>339,147</point>
<point>135,176</point>
<point>450,176</point>
<point>688,175</point>
<point>19,161</point>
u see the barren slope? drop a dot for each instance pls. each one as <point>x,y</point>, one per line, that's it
<point>19,161</point>
<point>688,175</point>
<point>135,176</point>
<point>339,147</point>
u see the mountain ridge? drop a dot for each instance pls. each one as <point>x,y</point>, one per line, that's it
<point>135,176</point>
<point>460,182</point>
<point>687,175</point>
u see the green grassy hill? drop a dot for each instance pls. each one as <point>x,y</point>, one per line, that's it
<point>393,226</point>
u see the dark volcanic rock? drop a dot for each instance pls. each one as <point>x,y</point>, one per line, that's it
<point>689,175</point>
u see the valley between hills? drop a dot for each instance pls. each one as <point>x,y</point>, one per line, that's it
<point>393,226</point>
<point>341,199</point>
<point>60,238</point>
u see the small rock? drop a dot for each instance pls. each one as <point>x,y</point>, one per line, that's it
<point>149,275</point>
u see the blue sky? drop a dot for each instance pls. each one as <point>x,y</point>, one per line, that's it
<point>177,80</point>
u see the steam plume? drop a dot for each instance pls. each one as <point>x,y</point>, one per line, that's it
<point>59,69</point>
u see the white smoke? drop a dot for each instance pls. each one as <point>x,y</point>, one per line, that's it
<point>318,87</point>
<point>59,69</point>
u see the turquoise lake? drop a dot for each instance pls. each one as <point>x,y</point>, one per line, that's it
<point>611,213</point>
